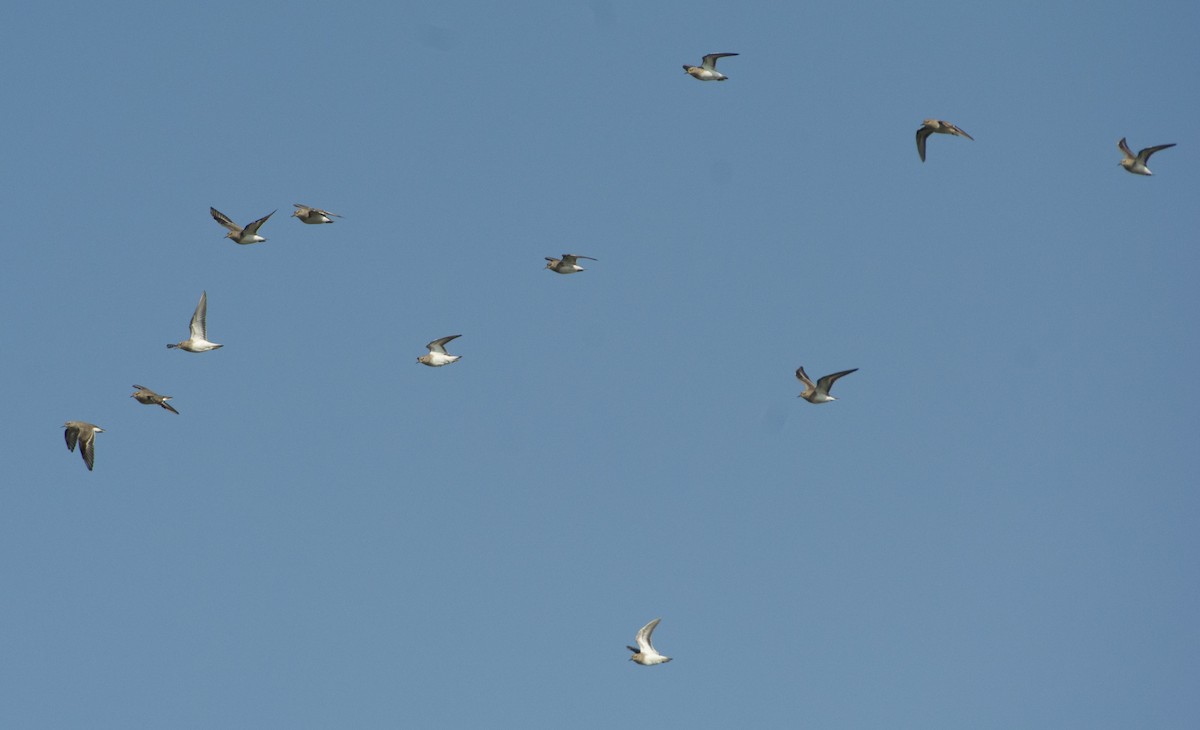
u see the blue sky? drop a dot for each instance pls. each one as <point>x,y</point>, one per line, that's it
<point>994,527</point>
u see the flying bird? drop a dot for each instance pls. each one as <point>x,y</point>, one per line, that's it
<point>85,434</point>
<point>309,214</point>
<point>237,234</point>
<point>936,126</point>
<point>148,397</point>
<point>438,356</point>
<point>1137,163</point>
<point>198,342</point>
<point>707,70</point>
<point>645,653</point>
<point>819,393</point>
<point>568,264</point>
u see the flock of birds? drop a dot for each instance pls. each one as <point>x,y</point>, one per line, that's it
<point>84,434</point>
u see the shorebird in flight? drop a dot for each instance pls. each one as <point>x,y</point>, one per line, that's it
<point>707,70</point>
<point>936,126</point>
<point>309,214</point>
<point>198,341</point>
<point>85,434</point>
<point>1137,163</point>
<point>819,393</point>
<point>438,356</point>
<point>645,653</point>
<point>568,264</point>
<point>237,234</point>
<point>149,397</point>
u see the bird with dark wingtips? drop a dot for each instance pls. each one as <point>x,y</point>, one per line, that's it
<point>936,126</point>
<point>438,356</point>
<point>148,397</point>
<point>237,234</point>
<point>1137,163</point>
<point>568,264</point>
<point>645,653</point>
<point>198,341</point>
<point>311,215</point>
<point>819,393</point>
<point>707,70</point>
<point>85,434</point>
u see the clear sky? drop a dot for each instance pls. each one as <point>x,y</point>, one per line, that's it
<point>995,526</point>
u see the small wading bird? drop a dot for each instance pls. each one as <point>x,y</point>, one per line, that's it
<point>198,342</point>
<point>1137,163</point>
<point>438,356</point>
<point>568,264</point>
<point>237,234</point>
<point>936,126</point>
<point>311,215</point>
<point>85,434</point>
<point>149,397</point>
<point>707,70</point>
<point>645,653</point>
<point>819,393</point>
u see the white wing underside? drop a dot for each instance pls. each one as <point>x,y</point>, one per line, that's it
<point>199,328</point>
<point>643,637</point>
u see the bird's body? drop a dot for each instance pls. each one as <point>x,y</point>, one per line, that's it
<point>84,434</point>
<point>1137,163</point>
<point>936,126</point>
<point>568,264</point>
<point>198,341</point>
<point>237,234</point>
<point>819,392</point>
<point>438,356</point>
<point>707,70</point>
<point>645,653</point>
<point>148,397</point>
<point>312,216</point>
